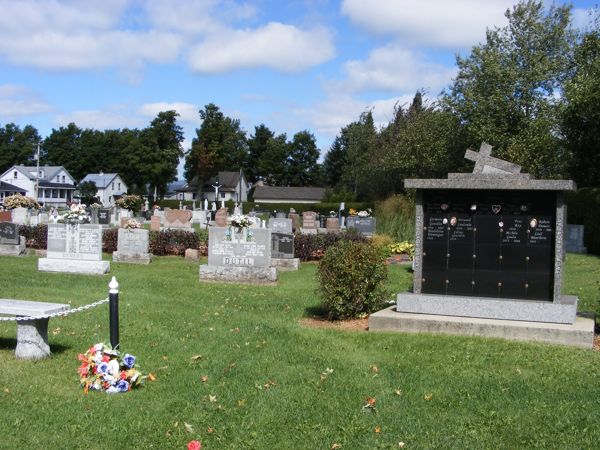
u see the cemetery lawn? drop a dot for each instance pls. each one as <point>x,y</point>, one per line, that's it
<point>235,369</point>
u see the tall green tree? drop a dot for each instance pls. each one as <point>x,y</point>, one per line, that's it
<point>505,92</point>
<point>335,162</point>
<point>17,146</point>
<point>220,144</point>
<point>257,146</point>
<point>302,162</point>
<point>581,120</point>
<point>272,164</point>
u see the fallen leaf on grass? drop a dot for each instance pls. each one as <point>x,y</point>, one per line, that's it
<point>401,444</point>
<point>204,378</point>
<point>188,427</point>
<point>235,330</point>
<point>56,331</point>
<point>210,430</point>
<point>7,390</point>
<point>428,397</point>
<point>398,392</point>
<point>370,404</point>
<point>151,377</point>
<point>241,403</point>
<point>168,433</point>
<point>212,398</point>
<point>336,446</point>
<point>197,357</point>
<point>377,429</point>
<point>374,368</point>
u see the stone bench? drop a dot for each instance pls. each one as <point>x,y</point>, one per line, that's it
<point>32,335</point>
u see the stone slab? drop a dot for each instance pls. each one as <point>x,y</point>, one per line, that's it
<point>563,311</point>
<point>73,266</point>
<point>281,225</point>
<point>192,254</point>
<point>491,182</point>
<point>132,258</point>
<point>308,231</point>
<point>578,334</point>
<point>236,274</point>
<point>286,263</point>
<point>251,248</point>
<point>14,249</point>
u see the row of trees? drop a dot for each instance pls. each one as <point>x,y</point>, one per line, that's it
<point>532,90</point>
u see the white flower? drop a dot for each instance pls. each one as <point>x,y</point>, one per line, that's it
<point>113,367</point>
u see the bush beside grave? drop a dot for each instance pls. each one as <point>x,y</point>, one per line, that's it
<point>351,279</point>
<point>172,242</point>
<point>312,247</point>
<point>36,236</point>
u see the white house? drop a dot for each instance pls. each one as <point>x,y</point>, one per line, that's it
<point>55,185</point>
<point>110,186</point>
<point>231,186</point>
<point>7,189</point>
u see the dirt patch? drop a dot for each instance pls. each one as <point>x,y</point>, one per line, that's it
<point>348,325</point>
<point>597,342</point>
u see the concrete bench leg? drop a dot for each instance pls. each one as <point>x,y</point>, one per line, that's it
<point>32,339</point>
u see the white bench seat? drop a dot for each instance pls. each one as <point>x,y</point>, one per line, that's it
<point>32,335</point>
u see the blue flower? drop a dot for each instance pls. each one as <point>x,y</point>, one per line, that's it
<point>128,360</point>
<point>122,386</point>
<point>103,368</point>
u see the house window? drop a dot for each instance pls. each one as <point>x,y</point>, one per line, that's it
<point>58,178</point>
<point>119,186</point>
<point>113,186</point>
<point>15,175</point>
<point>54,193</point>
<point>63,178</point>
<point>222,194</point>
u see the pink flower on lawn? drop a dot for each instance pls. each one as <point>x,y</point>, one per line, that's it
<point>194,445</point>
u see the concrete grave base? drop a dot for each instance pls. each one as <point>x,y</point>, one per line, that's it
<point>73,266</point>
<point>14,249</point>
<point>32,339</point>
<point>578,334</point>
<point>563,311</point>
<point>236,274</point>
<point>286,263</point>
<point>132,258</point>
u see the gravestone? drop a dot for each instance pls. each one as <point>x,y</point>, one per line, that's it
<point>132,246</point>
<point>94,216</point>
<point>43,218</point>
<point>199,216</point>
<point>20,216</point>
<point>364,225</point>
<point>332,224</point>
<point>280,225</point>
<point>221,217</point>
<point>178,219</point>
<point>104,216</point>
<point>295,217</point>
<point>11,244</point>
<point>239,257</point>
<point>574,239</point>
<point>282,251</point>
<point>74,249</point>
<point>280,215</point>
<point>489,245</point>
<point>309,222</point>
<point>5,216</point>
<point>155,223</point>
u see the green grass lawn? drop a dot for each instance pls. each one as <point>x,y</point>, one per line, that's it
<point>261,381</point>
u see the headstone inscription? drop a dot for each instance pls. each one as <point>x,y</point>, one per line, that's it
<point>574,239</point>
<point>366,226</point>
<point>74,248</point>
<point>282,245</point>
<point>132,246</point>
<point>11,244</point>
<point>280,225</point>
<point>309,219</point>
<point>489,244</point>
<point>243,257</point>
<point>332,224</point>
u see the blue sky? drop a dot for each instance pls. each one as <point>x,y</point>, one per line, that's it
<point>292,65</point>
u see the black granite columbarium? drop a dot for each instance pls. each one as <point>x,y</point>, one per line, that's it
<point>490,244</point>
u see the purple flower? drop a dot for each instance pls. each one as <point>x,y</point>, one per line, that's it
<point>103,368</point>
<point>128,360</point>
<point>122,386</point>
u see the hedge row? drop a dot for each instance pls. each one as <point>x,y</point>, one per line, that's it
<point>312,247</point>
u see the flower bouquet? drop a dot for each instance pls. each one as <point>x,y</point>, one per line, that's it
<point>239,221</point>
<point>103,370</point>
<point>132,224</point>
<point>365,213</point>
<point>76,214</point>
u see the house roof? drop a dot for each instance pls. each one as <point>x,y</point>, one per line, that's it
<point>48,171</point>
<point>101,180</point>
<point>288,193</point>
<point>229,182</point>
<point>7,187</point>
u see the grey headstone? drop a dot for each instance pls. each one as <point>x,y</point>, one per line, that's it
<point>132,246</point>
<point>9,233</point>
<point>237,252</point>
<point>574,239</point>
<point>364,225</point>
<point>280,225</point>
<point>20,216</point>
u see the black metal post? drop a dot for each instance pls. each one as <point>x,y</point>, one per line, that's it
<point>113,297</point>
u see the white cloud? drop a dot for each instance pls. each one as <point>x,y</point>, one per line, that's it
<point>440,23</point>
<point>111,117</point>
<point>17,101</point>
<point>392,68</point>
<point>279,46</point>
<point>187,111</point>
<point>582,18</point>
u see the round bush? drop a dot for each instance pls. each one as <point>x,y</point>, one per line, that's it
<point>351,279</point>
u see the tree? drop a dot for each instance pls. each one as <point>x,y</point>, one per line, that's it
<point>17,146</point>
<point>87,191</point>
<point>272,164</point>
<point>162,139</point>
<point>581,120</point>
<point>302,166</point>
<point>257,146</point>
<point>505,89</point>
<point>220,144</point>
<point>335,162</point>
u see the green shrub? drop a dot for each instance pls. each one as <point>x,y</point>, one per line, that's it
<point>383,243</point>
<point>312,247</point>
<point>396,217</point>
<point>351,279</point>
<point>36,236</point>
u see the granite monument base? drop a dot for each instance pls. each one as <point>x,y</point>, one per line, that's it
<point>578,334</point>
<point>286,263</point>
<point>563,311</point>
<point>14,249</point>
<point>237,274</point>
<point>73,266</point>
<point>132,258</point>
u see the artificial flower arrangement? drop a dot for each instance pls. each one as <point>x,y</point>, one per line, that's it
<point>96,205</point>
<point>239,221</point>
<point>102,369</point>
<point>365,213</point>
<point>132,224</point>
<point>332,214</point>
<point>131,202</point>
<point>75,214</point>
<point>19,201</point>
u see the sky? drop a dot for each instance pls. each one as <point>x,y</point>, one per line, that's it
<point>292,65</point>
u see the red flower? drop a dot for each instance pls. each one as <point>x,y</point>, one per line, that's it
<point>194,445</point>
<point>123,375</point>
<point>105,358</point>
<point>83,370</point>
<point>81,357</point>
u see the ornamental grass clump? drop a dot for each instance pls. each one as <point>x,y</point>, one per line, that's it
<point>351,279</point>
